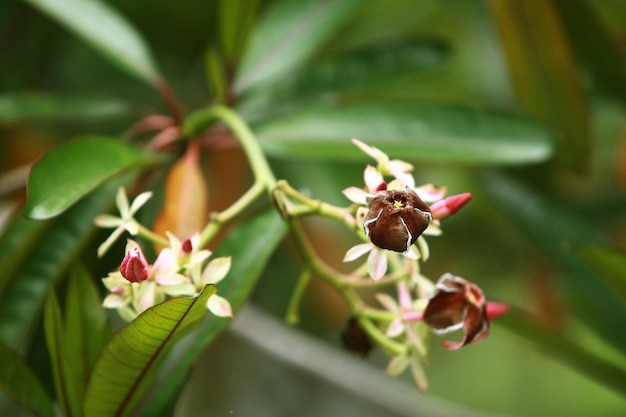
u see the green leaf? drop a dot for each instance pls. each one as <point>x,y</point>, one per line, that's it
<point>593,44</point>
<point>47,262</point>
<point>235,20</point>
<point>545,77</point>
<point>64,382</point>
<point>411,131</point>
<point>106,31</point>
<point>38,106</point>
<point>610,264</point>
<point>356,75</point>
<point>251,244</point>
<point>556,232</point>
<point>128,362</point>
<point>288,36</point>
<point>67,173</point>
<point>564,350</point>
<point>16,242</point>
<point>20,383</point>
<point>74,341</point>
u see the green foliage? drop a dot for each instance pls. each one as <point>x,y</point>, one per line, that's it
<point>126,366</point>
<point>64,176</point>
<point>22,384</point>
<point>106,31</point>
<point>422,132</point>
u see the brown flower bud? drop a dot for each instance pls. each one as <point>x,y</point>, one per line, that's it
<point>458,303</point>
<point>396,219</point>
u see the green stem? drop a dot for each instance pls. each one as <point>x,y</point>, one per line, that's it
<point>264,180</point>
<point>151,236</point>
<point>292,317</point>
<point>198,121</point>
<point>221,219</point>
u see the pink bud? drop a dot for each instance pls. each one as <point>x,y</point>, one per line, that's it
<point>187,246</point>
<point>134,267</point>
<point>496,309</point>
<point>444,208</point>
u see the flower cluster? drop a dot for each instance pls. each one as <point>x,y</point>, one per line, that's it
<point>394,214</point>
<point>180,269</point>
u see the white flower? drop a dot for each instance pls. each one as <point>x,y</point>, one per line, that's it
<point>126,221</point>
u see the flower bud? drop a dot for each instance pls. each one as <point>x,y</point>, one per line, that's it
<point>187,246</point>
<point>396,219</point>
<point>444,208</point>
<point>134,267</point>
<point>458,303</point>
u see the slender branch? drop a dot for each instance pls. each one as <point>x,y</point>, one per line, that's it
<point>171,100</point>
<point>292,317</point>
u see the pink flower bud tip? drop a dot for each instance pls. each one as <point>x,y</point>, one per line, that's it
<point>449,206</point>
<point>496,309</point>
<point>134,267</point>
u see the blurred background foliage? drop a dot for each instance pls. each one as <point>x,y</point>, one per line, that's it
<point>520,103</point>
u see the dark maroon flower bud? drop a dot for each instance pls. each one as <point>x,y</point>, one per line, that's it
<point>458,303</point>
<point>355,339</point>
<point>396,219</point>
<point>187,246</point>
<point>134,267</point>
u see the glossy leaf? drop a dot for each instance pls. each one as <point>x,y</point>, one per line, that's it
<point>39,106</point>
<point>557,232</point>
<point>16,241</point>
<point>251,244</point>
<point>106,31</point>
<point>410,131</point>
<point>67,173</point>
<point>22,300</point>
<point>19,382</point>
<point>65,383</point>
<point>544,74</point>
<point>128,362</point>
<point>186,201</point>
<point>351,76</point>
<point>288,35</point>
<point>236,19</point>
<point>564,350</point>
<point>610,264</point>
<point>595,47</point>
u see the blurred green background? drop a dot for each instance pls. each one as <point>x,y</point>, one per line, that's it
<point>463,62</point>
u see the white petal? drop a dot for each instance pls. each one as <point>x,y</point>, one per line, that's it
<point>185,288</point>
<point>372,178</point>
<point>172,279</point>
<point>431,193</point>
<point>370,150</point>
<point>356,195</point>
<point>357,251</point>
<point>139,201</point>
<point>166,262</point>
<point>395,329</point>
<point>423,248</point>
<point>216,270</point>
<point>104,247</point>
<point>107,221</point>
<point>144,296</point>
<point>219,306</point>
<point>397,365</point>
<point>377,263</point>
<point>121,201</point>
<point>387,301</point>
<point>114,301</point>
<point>433,229</point>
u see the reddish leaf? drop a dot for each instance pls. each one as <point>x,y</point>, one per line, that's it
<point>186,204</point>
